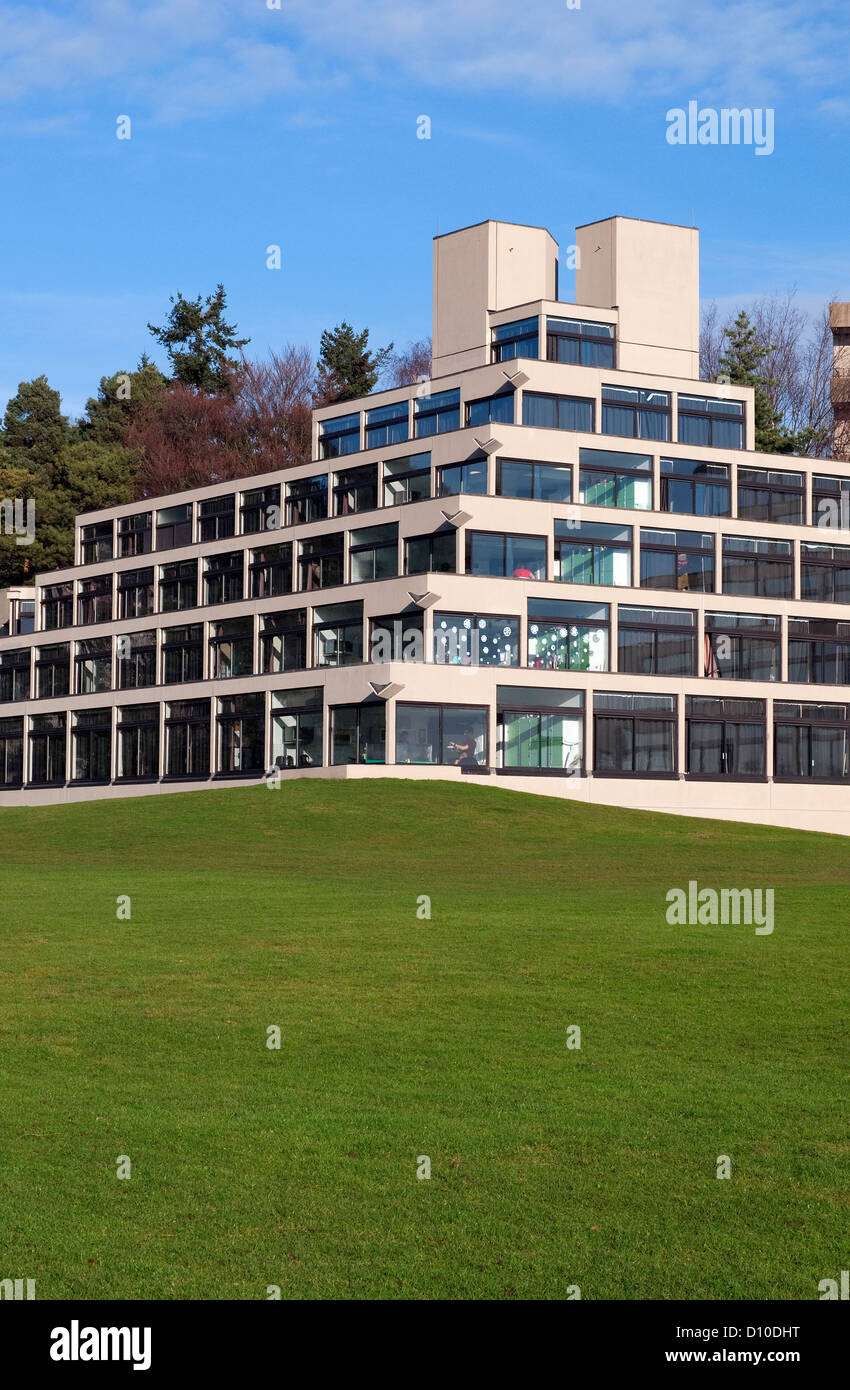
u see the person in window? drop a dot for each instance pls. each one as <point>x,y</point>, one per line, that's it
<point>465,749</point>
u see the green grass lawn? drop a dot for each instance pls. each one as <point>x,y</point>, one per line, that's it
<point>404,1037</point>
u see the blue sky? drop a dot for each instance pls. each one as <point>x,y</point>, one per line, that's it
<point>297,126</point>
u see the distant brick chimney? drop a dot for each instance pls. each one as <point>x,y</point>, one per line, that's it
<point>839,322</point>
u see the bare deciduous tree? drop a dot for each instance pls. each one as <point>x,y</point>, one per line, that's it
<point>407,367</point>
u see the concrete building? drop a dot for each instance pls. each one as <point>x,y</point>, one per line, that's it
<point>558,564</point>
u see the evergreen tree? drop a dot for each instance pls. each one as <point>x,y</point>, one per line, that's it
<point>742,362</point>
<point>119,397</point>
<point>347,369</point>
<point>34,428</point>
<point>199,342</point>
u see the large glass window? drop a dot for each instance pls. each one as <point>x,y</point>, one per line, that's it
<point>94,600</point>
<point>356,490</point>
<point>825,572</point>
<point>452,735</point>
<point>283,641</point>
<point>93,662</point>
<point>511,340</point>
<point>682,560</point>
<point>11,752</point>
<point>52,671</point>
<point>259,509</point>
<point>223,577</point>
<point>387,424</point>
<point>695,488</point>
<point>462,477</point>
<point>608,479</point>
<point>231,648</point>
<point>520,557</point>
<point>91,745</point>
<point>565,636</point>
<point>135,535</point>
<point>320,561</point>
<point>135,593</point>
<point>634,734</point>
<point>760,568</point>
<point>580,342</point>
<point>241,734</point>
<point>217,518</point>
<point>436,414</point>
<point>182,654</point>
<point>373,553</point>
<point>491,410</point>
<point>635,412</point>
<point>473,639</point>
<point>819,651</point>
<point>187,738</point>
<point>811,741</point>
<point>593,552</point>
<point>407,479</point>
<point>767,495</point>
<point>397,637</point>
<point>307,500</point>
<point>14,675</point>
<point>742,647</point>
<point>540,730</point>
<point>359,733</point>
<point>557,412</point>
<point>138,741</point>
<point>21,617</point>
<point>710,421</point>
<point>657,641</point>
<point>544,482</point>
<point>57,606</point>
<point>297,727</point>
<point>47,749</point>
<point>178,586</point>
<point>339,436</point>
<point>270,571</point>
<point>338,635</point>
<point>174,526</point>
<point>725,738</point>
<point>96,542</point>
<point>434,554</point>
<point>136,652</point>
<point>831,501</point>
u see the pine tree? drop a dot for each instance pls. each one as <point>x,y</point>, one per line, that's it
<point>742,362</point>
<point>119,397</point>
<point>347,369</point>
<point>199,342</point>
<point>34,428</point>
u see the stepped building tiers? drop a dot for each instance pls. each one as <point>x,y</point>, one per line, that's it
<point>558,564</point>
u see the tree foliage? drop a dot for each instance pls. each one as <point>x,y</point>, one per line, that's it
<point>347,368</point>
<point>199,342</point>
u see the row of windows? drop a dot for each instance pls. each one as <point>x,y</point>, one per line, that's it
<point>537,731</point>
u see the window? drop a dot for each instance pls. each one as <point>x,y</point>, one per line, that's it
<point>511,340</point>
<point>217,518</point>
<point>47,749</point>
<point>223,581</point>
<point>374,553</point>
<point>725,738</point>
<point>15,675</point>
<point>270,571</point>
<point>96,542</point>
<point>339,436</point>
<point>819,651</point>
<point>57,606</point>
<point>359,733</point>
<point>387,424</point>
<point>231,648</point>
<point>52,671</point>
<point>187,738</point>
<point>297,728</point>
<point>136,660</point>
<point>634,734</point>
<point>544,482</point>
<point>472,639</point>
<point>580,342</point>
<point>135,593</point>
<point>338,635</point>
<point>557,412</point>
<point>434,554</point>
<point>831,501</point>
<point>452,735</point>
<point>707,420</point>
<point>11,752</point>
<point>94,600</point>
<point>174,526</point>
<point>134,535</point>
<point>283,641</point>
<point>564,636</point>
<point>825,572</point>
<point>636,413</point>
<point>307,500</point>
<point>397,637</point>
<point>93,663</point>
<point>694,488</point>
<point>462,477</point>
<point>521,557</point>
<point>21,616</point>
<point>138,741</point>
<point>182,654</point>
<point>436,414</point>
<point>811,741</point>
<point>540,730</point>
<point>763,569</point>
<point>682,560</point>
<point>241,731</point>
<point>356,490</point>
<point>407,479</point>
<point>320,562</point>
<point>259,509</point>
<point>91,745</point>
<point>491,410</point>
<point>178,586</point>
<point>766,495</point>
<point>741,647</point>
<point>657,641</point>
<point>608,479</point>
<point>593,552</point>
